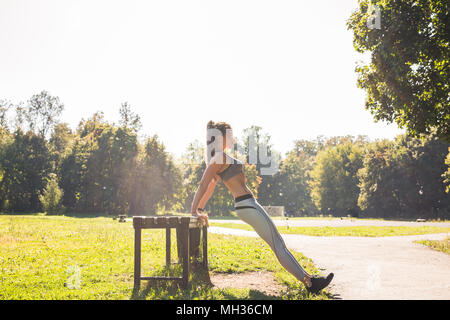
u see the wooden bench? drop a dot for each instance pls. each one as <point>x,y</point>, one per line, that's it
<point>188,243</point>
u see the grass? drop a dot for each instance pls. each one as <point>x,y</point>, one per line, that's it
<point>39,254</point>
<point>354,231</point>
<point>438,245</point>
<point>331,218</point>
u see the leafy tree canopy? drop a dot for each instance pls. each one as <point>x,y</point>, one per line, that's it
<point>407,77</point>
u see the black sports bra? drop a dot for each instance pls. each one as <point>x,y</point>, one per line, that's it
<point>232,170</point>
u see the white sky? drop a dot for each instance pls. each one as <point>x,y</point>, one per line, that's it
<point>287,66</point>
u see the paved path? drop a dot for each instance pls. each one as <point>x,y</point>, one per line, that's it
<point>374,268</point>
<point>343,223</point>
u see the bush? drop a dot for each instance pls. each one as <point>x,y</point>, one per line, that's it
<point>51,199</point>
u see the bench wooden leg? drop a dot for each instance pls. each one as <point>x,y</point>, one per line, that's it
<point>137,258</point>
<point>205,247</point>
<point>186,256</point>
<point>179,244</point>
<point>194,239</point>
<point>167,246</point>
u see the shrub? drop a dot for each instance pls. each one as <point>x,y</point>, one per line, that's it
<point>51,198</point>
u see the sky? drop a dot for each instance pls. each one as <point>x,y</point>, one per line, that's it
<point>286,66</point>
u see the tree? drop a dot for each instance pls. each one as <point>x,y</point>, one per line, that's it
<point>407,78</point>
<point>260,153</point>
<point>110,168</point>
<point>128,119</point>
<point>5,106</point>
<point>258,150</point>
<point>42,112</point>
<point>377,181</point>
<point>294,179</point>
<point>334,181</point>
<point>19,119</point>
<point>26,165</point>
<point>446,174</point>
<point>402,179</point>
<point>51,198</point>
<point>74,174</point>
<point>157,180</point>
<point>88,126</point>
<point>6,139</point>
<point>60,142</point>
<point>61,138</point>
<point>97,171</point>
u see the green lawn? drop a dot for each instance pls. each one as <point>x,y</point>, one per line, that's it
<point>38,256</point>
<point>438,245</point>
<point>356,231</point>
<point>326,218</point>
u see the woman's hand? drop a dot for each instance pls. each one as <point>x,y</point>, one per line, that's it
<point>201,216</point>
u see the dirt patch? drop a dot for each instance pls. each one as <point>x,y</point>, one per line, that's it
<point>261,281</point>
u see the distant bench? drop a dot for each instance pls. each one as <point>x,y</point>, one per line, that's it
<point>188,231</point>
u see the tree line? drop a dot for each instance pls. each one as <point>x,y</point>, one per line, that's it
<point>108,168</point>
<point>402,178</point>
<point>98,168</point>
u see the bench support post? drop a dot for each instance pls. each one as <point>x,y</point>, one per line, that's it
<point>205,247</point>
<point>167,246</point>
<point>188,240</point>
<point>186,255</point>
<point>137,257</point>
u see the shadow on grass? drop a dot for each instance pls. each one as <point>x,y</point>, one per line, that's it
<point>200,287</point>
<point>253,295</point>
<point>335,296</point>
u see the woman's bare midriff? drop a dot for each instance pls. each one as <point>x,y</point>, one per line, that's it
<point>237,185</point>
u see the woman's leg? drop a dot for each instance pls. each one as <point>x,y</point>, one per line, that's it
<point>265,228</point>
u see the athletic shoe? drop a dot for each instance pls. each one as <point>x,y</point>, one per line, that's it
<point>318,283</point>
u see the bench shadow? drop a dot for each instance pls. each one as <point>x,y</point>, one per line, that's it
<point>253,295</point>
<point>334,296</point>
<point>199,284</point>
<point>172,289</point>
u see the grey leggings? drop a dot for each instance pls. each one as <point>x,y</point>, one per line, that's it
<point>251,212</point>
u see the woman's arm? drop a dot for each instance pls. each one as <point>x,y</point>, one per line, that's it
<point>208,176</point>
<point>209,191</point>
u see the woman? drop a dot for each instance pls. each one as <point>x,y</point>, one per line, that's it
<point>230,170</point>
